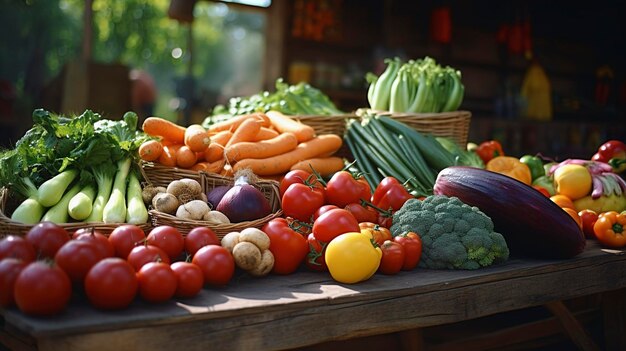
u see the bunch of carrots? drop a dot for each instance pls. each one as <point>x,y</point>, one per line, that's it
<point>269,144</point>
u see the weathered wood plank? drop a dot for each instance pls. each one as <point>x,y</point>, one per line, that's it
<point>308,308</point>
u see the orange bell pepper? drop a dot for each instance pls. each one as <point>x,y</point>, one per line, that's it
<point>510,166</point>
<point>610,229</point>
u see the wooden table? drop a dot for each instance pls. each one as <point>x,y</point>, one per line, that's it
<point>305,308</point>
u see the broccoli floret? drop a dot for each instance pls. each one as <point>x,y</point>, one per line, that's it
<point>454,235</point>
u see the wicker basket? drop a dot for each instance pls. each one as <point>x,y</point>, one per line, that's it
<point>333,124</point>
<point>454,125</point>
<point>8,203</point>
<point>160,175</point>
<point>163,175</point>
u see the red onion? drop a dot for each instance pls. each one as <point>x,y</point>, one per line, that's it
<point>244,202</point>
<point>215,195</point>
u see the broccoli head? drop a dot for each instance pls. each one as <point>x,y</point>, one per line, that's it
<point>454,235</point>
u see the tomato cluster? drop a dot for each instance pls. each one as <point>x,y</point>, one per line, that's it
<point>39,272</point>
<point>346,203</point>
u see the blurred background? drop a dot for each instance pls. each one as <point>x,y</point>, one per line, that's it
<point>178,59</point>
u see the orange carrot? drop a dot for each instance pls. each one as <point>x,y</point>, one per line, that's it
<point>227,170</point>
<point>216,149</point>
<point>261,149</point>
<point>234,122</point>
<point>285,124</point>
<point>215,167</point>
<point>197,138</point>
<point>214,152</point>
<point>246,131</point>
<point>200,156</point>
<point>157,126</point>
<point>185,158</point>
<point>150,150</point>
<point>282,163</point>
<point>265,134</point>
<point>325,166</point>
<point>168,156</point>
<point>209,167</point>
<point>221,138</point>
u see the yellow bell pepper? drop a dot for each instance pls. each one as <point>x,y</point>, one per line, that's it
<point>352,257</point>
<point>601,204</point>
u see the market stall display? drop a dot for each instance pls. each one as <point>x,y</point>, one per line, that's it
<point>170,211</point>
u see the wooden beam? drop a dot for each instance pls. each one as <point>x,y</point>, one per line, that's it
<point>572,327</point>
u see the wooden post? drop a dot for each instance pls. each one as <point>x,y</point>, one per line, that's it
<point>87,30</point>
<point>614,311</point>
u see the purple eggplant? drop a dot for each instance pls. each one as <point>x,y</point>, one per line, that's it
<point>532,224</point>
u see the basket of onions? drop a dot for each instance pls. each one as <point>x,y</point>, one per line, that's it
<point>221,203</point>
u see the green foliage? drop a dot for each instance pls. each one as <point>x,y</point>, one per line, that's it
<point>56,143</point>
<point>454,235</point>
<point>40,36</point>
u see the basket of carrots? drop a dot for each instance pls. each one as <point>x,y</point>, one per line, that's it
<point>269,144</point>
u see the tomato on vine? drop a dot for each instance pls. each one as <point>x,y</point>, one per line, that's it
<point>300,201</point>
<point>343,188</point>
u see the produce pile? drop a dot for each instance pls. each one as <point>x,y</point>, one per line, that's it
<point>294,100</point>
<point>408,201</point>
<point>269,144</point>
<point>79,169</point>
<point>421,86</point>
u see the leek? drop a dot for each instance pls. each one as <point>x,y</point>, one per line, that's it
<point>115,208</point>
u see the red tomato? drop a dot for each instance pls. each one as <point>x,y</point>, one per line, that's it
<point>17,247</point>
<point>190,279</point>
<point>42,289</point>
<point>216,263</point>
<point>111,284</point>
<point>10,268</point>
<point>157,282</point>
<point>76,258</point>
<point>412,244</point>
<point>393,199</point>
<point>47,238</point>
<point>333,223</point>
<point>199,237</point>
<point>288,247</point>
<point>589,218</point>
<point>141,255</point>
<point>362,213</point>
<point>385,220</point>
<point>301,201</point>
<point>315,259</point>
<point>377,232</point>
<point>382,188</point>
<point>320,211</point>
<point>101,240</point>
<point>392,259</point>
<point>298,176</point>
<point>125,237</point>
<point>167,238</point>
<point>343,189</point>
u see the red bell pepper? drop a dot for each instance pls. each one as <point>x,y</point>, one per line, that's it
<point>489,149</point>
<point>612,152</point>
<point>390,194</point>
